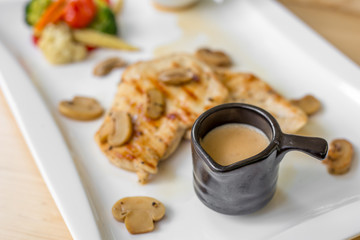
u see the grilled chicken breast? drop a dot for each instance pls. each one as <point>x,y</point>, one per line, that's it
<point>155,139</point>
<point>247,88</point>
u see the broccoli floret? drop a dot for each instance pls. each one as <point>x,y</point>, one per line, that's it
<point>104,20</point>
<point>34,9</point>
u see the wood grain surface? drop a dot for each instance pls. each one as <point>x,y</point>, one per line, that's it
<point>27,210</point>
<point>338,21</point>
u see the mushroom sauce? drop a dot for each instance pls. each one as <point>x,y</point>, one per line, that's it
<point>234,142</point>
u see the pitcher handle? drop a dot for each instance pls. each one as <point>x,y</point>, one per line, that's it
<point>313,146</point>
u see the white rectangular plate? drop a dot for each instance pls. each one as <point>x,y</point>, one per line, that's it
<point>262,37</point>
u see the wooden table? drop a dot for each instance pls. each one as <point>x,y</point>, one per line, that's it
<point>27,210</point>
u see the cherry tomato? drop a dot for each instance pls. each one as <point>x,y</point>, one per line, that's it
<point>79,13</point>
<point>35,39</point>
<point>90,49</point>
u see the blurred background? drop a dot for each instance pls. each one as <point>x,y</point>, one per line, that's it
<point>337,21</point>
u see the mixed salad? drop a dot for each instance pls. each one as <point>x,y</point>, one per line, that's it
<point>65,30</point>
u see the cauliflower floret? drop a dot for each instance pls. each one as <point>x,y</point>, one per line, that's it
<point>58,46</point>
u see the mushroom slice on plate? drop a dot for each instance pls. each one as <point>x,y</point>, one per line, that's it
<point>309,104</point>
<point>138,213</point>
<point>81,108</point>
<point>339,157</point>
<point>105,67</point>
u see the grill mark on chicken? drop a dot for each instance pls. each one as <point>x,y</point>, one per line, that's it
<point>127,156</point>
<point>190,93</point>
<point>161,87</point>
<point>138,88</point>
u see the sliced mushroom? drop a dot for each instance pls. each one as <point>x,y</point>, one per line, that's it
<point>81,108</point>
<point>138,213</point>
<point>339,157</point>
<point>105,130</point>
<point>155,103</point>
<point>213,58</point>
<point>105,67</point>
<point>122,129</point>
<point>309,104</point>
<point>176,76</point>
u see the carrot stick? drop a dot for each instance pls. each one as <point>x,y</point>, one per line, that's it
<point>52,14</point>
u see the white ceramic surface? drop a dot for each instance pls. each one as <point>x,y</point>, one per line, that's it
<point>263,38</point>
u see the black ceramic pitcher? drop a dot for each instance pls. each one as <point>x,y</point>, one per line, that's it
<point>248,185</point>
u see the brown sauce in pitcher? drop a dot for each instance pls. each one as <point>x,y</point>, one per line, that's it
<point>234,142</point>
